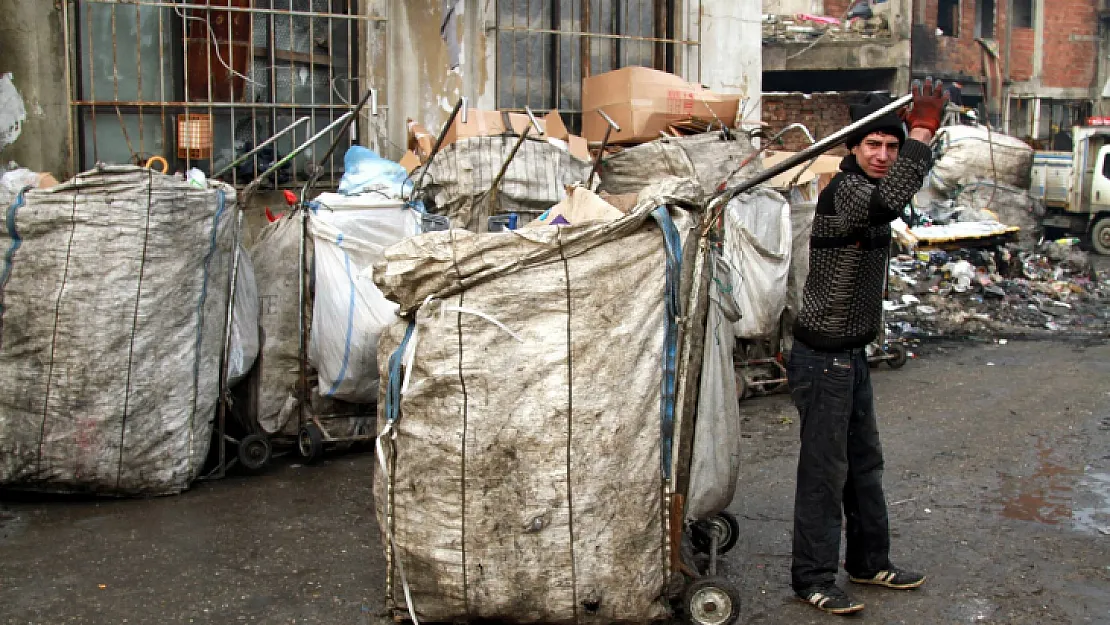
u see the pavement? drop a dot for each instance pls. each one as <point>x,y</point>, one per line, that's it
<point>997,478</point>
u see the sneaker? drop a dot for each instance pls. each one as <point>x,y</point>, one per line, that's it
<point>894,577</point>
<point>831,599</point>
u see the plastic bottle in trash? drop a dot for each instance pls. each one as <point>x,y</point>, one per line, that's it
<point>1068,241</point>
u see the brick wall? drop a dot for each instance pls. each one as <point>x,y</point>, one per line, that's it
<point>1070,55</point>
<point>837,8</point>
<point>822,113</point>
<point>1070,52</point>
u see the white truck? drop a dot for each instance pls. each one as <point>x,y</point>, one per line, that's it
<point>1075,187</point>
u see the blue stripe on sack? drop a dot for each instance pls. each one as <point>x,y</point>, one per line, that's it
<point>673,246</point>
<point>16,242</point>
<point>220,206</point>
<point>393,388</point>
<point>350,323</point>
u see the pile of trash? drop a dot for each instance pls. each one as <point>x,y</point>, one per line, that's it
<point>804,28</point>
<point>1000,291</point>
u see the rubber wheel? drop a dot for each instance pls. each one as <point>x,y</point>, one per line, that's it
<point>898,355</point>
<point>711,601</point>
<point>310,443</point>
<point>743,391</point>
<point>701,533</point>
<point>1100,236</point>
<point>255,452</point>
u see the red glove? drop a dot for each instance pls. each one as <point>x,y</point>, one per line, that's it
<point>928,105</point>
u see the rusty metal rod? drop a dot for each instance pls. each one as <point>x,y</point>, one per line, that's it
<point>460,105</point>
<point>822,146</point>
<point>251,9</point>
<point>604,143</point>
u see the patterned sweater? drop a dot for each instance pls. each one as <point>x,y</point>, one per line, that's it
<point>843,298</point>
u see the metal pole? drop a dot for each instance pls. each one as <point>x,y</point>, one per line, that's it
<point>439,140</point>
<point>604,143</point>
<point>311,140</point>
<point>822,146</point>
<point>265,143</point>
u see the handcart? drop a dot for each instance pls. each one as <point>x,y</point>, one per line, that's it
<point>236,423</point>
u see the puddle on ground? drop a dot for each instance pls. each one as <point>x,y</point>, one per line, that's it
<point>1058,494</point>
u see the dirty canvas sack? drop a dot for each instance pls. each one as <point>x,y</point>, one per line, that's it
<point>715,462</point>
<point>1013,206</point>
<point>460,177</point>
<point>349,311</point>
<point>967,153</point>
<point>757,247</point>
<point>113,304</point>
<point>275,256</point>
<point>707,158</point>
<point>245,339</point>
<point>530,421</point>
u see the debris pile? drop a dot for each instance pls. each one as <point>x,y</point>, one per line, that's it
<point>1000,291</point>
<point>803,28</point>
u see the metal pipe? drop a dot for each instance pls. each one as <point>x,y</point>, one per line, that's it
<point>822,146</point>
<point>172,4</point>
<point>225,348</point>
<point>604,143</point>
<point>265,143</point>
<point>301,148</point>
<point>505,166</point>
<point>346,121</point>
<point>460,105</point>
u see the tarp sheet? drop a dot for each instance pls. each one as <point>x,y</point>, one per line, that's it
<point>113,304</point>
<point>524,478</point>
<point>757,247</point>
<point>349,311</point>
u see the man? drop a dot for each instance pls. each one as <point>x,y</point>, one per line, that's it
<point>840,465</point>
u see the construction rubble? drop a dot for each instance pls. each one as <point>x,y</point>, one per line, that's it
<point>803,28</point>
<point>997,292</point>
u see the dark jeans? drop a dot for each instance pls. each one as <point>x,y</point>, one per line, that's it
<point>840,468</point>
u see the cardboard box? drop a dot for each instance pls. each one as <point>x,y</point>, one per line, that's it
<point>421,141</point>
<point>410,161</point>
<point>481,123</point>
<point>555,129</point>
<point>644,102</point>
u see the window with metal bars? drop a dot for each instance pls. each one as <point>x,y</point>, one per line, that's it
<point>199,82</point>
<point>546,47</point>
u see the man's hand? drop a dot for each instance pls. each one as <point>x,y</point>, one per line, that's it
<point>927,109</point>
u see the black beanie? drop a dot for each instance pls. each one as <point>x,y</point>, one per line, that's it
<point>889,124</point>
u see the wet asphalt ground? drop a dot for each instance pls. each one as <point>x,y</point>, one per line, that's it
<point>997,476</point>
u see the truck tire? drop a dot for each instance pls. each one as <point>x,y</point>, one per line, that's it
<point>1100,236</point>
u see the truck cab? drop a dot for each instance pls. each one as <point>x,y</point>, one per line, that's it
<point>1075,187</point>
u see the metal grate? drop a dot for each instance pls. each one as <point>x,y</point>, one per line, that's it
<point>545,48</point>
<point>251,66</point>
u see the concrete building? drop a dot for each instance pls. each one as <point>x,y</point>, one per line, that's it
<point>1033,68</point>
<point>109,81</point>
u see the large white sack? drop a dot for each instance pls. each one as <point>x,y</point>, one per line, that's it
<point>113,304</point>
<point>349,310</point>
<point>757,247</point>
<point>524,482</point>
<point>275,257</point>
<point>968,153</point>
<point>244,345</point>
<point>715,462</point>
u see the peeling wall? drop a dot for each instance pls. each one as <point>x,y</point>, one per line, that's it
<point>30,49</point>
<point>731,55</point>
<point>421,86</point>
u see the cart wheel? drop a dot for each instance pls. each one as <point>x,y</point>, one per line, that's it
<point>701,533</point>
<point>898,355</point>
<point>310,443</point>
<point>254,452</point>
<point>711,601</point>
<point>743,391</point>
